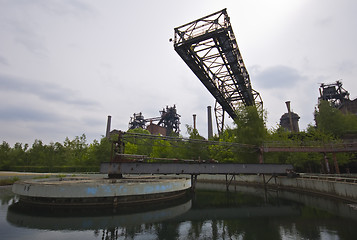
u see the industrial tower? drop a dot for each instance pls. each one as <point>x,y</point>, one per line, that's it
<point>169,119</point>
<point>334,93</point>
<point>208,46</point>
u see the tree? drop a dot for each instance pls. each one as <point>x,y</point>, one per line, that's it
<point>138,145</point>
<point>222,153</point>
<point>195,149</point>
<point>5,161</point>
<point>161,149</point>
<point>332,121</point>
<point>99,152</point>
<point>250,125</point>
<point>250,129</point>
<point>75,150</point>
<point>37,154</point>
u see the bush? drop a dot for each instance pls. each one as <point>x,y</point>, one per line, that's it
<point>55,169</point>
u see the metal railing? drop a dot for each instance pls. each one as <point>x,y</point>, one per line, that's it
<point>347,178</point>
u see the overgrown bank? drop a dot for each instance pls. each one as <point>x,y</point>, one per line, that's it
<point>79,156</point>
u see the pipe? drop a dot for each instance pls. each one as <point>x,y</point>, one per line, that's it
<point>194,121</point>
<point>107,133</point>
<point>290,118</point>
<point>209,119</point>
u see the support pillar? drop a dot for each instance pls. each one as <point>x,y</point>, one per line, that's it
<point>209,120</point>
<point>326,163</point>
<point>193,182</point>
<point>261,157</point>
<point>335,163</point>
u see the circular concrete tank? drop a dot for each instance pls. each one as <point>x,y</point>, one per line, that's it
<point>35,218</point>
<point>80,191</point>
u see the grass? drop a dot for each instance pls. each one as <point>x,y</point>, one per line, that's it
<point>8,181</point>
<point>12,180</point>
<point>41,177</point>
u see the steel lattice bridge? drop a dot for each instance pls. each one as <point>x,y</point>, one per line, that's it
<point>208,46</point>
<point>140,164</point>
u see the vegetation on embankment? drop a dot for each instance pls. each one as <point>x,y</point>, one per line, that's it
<point>79,156</point>
<point>8,181</point>
<point>70,156</point>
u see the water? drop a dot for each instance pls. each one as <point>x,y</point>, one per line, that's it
<point>212,213</point>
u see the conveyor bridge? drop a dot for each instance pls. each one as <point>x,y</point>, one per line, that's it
<point>208,46</point>
<point>141,164</point>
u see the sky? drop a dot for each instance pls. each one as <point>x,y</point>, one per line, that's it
<point>65,65</point>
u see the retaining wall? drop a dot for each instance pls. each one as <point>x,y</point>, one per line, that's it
<point>333,187</point>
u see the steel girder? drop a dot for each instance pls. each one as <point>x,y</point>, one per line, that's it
<point>208,46</point>
<point>192,168</point>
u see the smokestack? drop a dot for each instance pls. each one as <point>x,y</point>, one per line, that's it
<point>209,119</point>
<point>290,118</point>
<point>108,126</point>
<point>194,121</point>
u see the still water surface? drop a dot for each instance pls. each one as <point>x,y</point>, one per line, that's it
<point>212,213</point>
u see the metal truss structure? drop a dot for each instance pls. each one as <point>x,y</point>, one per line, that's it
<point>208,46</point>
<point>137,121</point>
<point>169,119</point>
<point>334,93</point>
<point>192,168</point>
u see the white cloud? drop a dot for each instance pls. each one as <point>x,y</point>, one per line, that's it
<point>66,65</point>
<point>278,77</point>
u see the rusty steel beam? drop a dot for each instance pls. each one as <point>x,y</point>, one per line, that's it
<point>192,168</point>
<point>209,48</point>
<point>333,148</point>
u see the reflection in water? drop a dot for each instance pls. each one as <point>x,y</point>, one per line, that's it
<point>212,213</point>
<point>92,218</point>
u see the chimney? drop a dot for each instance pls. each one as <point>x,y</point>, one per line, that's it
<point>194,121</point>
<point>290,118</point>
<point>108,126</point>
<point>209,118</point>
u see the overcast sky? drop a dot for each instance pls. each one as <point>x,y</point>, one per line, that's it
<point>65,65</point>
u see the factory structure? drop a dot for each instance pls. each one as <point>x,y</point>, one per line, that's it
<point>334,93</point>
<point>166,124</point>
<point>209,48</point>
<point>169,120</point>
<point>290,120</point>
<point>338,97</point>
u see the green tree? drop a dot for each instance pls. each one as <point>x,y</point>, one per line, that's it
<point>161,149</point>
<point>59,152</point>
<point>332,121</point>
<point>224,153</point>
<point>250,125</point>
<point>37,154</point>
<point>75,150</point>
<point>250,129</point>
<point>302,162</point>
<point>5,161</point>
<point>196,149</point>
<point>137,144</point>
<point>99,152</point>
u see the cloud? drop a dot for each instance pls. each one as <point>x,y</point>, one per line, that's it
<point>3,61</point>
<point>27,30</point>
<point>19,113</point>
<point>278,77</point>
<point>43,90</point>
<point>66,7</point>
<point>346,66</point>
<point>61,8</point>
<point>32,45</point>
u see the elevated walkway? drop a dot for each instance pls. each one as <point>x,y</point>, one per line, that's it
<point>193,168</point>
<point>326,148</point>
